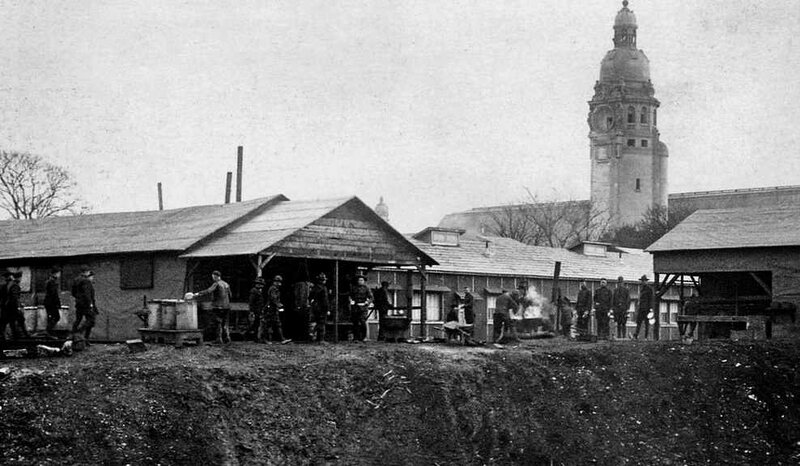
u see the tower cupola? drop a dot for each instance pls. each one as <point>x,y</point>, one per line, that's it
<point>625,27</point>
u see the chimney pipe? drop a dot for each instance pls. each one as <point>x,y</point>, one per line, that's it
<point>228,188</point>
<point>160,197</point>
<point>239,174</point>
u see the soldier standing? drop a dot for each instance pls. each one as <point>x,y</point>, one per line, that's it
<point>52,300</point>
<point>382,304</point>
<point>583,306</point>
<point>9,308</point>
<point>85,306</point>
<point>256,305</point>
<point>644,308</point>
<point>360,300</point>
<point>469,307</point>
<point>602,307</point>
<point>621,302</point>
<point>272,319</point>
<point>320,309</point>
<point>220,293</point>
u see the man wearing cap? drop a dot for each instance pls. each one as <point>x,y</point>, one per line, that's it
<point>272,319</point>
<point>602,306</point>
<point>220,293</point>
<point>583,306</point>
<point>621,302</point>
<point>256,306</point>
<point>383,302</point>
<point>319,303</point>
<point>644,308</point>
<point>52,299</point>
<point>360,300</point>
<point>9,307</point>
<point>85,306</point>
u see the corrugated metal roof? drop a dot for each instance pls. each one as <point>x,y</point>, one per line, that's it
<point>158,230</point>
<point>266,228</point>
<point>507,257</point>
<point>733,229</point>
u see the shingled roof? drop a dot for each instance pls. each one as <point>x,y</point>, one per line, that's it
<point>733,229</point>
<point>123,232</point>
<point>507,257</point>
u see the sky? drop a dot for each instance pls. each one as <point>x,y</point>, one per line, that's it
<point>438,106</point>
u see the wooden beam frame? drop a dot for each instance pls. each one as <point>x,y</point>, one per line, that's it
<point>761,283</point>
<point>259,262</point>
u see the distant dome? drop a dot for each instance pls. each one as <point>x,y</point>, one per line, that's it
<point>627,64</point>
<point>382,210</point>
<point>662,149</point>
<point>625,17</point>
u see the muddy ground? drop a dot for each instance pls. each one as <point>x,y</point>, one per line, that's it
<point>544,402</point>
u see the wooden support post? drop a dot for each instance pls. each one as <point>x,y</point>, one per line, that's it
<point>423,313</point>
<point>657,311</point>
<point>556,295</point>
<point>409,301</point>
<point>336,301</point>
<point>160,197</point>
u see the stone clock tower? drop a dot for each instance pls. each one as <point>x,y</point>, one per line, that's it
<point>629,161</point>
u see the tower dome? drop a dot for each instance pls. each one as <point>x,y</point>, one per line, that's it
<point>625,62</point>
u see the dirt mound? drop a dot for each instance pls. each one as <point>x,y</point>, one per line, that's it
<point>625,403</point>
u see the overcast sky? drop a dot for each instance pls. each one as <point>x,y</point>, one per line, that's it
<point>439,106</point>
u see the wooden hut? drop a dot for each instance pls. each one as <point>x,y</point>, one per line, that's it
<point>162,254</point>
<point>745,262</point>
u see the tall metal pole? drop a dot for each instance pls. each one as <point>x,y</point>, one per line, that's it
<point>239,158</point>
<point>228,188</point>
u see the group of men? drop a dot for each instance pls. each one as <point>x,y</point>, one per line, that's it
<point>613,305</point>
<point>605,304</point>
<point>12,315</point>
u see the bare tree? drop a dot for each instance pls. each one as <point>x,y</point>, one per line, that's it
<point>31,187</point>
<point>549,223</point>
<point>654,223</point>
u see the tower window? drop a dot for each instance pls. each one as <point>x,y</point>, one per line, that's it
<point>655,117</point>
<point>631,115</point>
<point>638,184</point>
<point>644,142</point>
<point>643,116</point>
<point>631,142</point>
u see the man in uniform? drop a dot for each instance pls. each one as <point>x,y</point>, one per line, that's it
<point>256,305</point>
<point>505,304</point>
<point>220,293</point>
<point>320,309</point>
<point>52,299</point>
<point>383,302</point>
<point>469,307</point>
<point>272,319</point>
<point>621,302</point>
<point>85,306</point>
<point>602,307</point>
<point>644,308</point>
<point>583,307</point>
<point>9,308</point>
<point>360,300</point>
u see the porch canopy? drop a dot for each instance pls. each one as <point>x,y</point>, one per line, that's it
<point>342,229</point>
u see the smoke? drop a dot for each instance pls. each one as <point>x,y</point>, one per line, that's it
<point>534,306</point>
